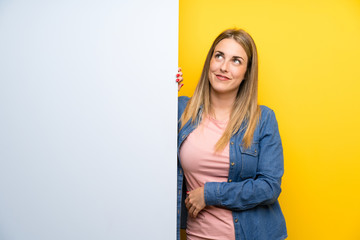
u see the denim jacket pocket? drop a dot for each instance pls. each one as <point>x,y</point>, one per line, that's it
<point>249,159</point>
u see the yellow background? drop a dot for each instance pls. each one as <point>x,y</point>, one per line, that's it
<point>309,73</point>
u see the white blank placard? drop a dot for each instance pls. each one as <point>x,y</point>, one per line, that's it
<point>88,105</point>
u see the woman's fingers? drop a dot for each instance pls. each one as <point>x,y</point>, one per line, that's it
<point>179,79</point>
<point>191,211</point>
<point>195,213</point>
<point>187,203</point>
<point>195,202</point>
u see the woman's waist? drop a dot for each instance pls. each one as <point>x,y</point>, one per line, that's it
<point>212,221</point>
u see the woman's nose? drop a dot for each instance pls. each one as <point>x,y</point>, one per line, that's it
<point>224,66</point>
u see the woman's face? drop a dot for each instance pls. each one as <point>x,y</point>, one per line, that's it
<point>227,67</point>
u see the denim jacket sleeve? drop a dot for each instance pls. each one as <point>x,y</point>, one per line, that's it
<point>262,189</point>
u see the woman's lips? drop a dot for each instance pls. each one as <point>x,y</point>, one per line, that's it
<point>222,77</point>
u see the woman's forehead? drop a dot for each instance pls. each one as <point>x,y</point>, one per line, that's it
<point>229,46</point>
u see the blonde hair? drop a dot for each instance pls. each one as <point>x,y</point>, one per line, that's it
<point>245,109</point>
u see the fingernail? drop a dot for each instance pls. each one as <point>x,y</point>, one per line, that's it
<point>177,75</point>
<point>187,192</point>
<point>177,80</point>
<point>181,85</point>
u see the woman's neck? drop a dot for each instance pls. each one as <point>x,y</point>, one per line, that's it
<point>221,105</point>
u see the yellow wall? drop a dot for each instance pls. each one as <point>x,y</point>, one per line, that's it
<point>309,73</point>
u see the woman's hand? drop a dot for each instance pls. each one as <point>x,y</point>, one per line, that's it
<point>195,201</point>
<point>179,79</point>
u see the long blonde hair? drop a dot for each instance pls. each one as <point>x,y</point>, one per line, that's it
<point>245,109</point>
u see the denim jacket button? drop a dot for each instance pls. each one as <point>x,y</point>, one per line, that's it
<point>236,220</point>
<point>232,143</point>
<point>183,136</point>
<point>232,164</point>
<point>230,180</point>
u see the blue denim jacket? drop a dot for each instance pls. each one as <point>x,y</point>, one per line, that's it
<point>253,185</point>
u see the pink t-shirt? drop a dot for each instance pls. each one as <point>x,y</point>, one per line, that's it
<point>201,164</point>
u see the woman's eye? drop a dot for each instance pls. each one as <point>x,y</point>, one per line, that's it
<point>237,61</point>
<point>218,56</point>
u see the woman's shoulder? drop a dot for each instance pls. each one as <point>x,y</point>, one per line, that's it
<point>182,102</point>
<point>267,117</point>
<point>265,110</point>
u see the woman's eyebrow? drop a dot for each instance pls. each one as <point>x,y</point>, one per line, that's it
<point>238,57</point>
<point>234,57</point>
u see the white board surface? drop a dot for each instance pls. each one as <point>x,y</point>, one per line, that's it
<point>88,105</point>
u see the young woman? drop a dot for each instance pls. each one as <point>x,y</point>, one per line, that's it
<point>230,157</point>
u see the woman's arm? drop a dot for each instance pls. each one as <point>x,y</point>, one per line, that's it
<point>265,188</point>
